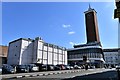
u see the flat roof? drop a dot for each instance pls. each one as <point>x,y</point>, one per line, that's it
<point>21,39</point>
<point>46,44</point>
<point>111,50</point>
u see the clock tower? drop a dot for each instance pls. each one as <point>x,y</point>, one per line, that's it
<point>91,26</point>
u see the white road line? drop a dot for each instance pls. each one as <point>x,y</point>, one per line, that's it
<point>40,74</point>
<point>50,73</point>
<point>19,76</point>
<point>34,75</point>
<point>27,75</point>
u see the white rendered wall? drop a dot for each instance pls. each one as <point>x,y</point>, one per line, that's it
<point>38,51</point>
<point>26,52</point>
<point>66,61</point>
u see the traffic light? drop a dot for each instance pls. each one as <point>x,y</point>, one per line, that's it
<point>84,58</point>
<point>117,11</point>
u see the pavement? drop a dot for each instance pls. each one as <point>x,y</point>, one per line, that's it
<point>33,74</point>
<point>63,74</point>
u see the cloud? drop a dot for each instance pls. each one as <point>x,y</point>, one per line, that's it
<point>66,25</point>
<point>72,43</point>
<point>71,32</point>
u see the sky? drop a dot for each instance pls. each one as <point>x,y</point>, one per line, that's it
<point>59,23</point>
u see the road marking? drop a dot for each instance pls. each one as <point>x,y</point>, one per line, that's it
<point>62,72</point>
<point>19,76</point>
<point>40,74</point>
<point>45,74</point>
<point>50,73</point>
<point>58,72</point>
<point>69,71</point>
<point>27,75</point>
<point>34,75</point>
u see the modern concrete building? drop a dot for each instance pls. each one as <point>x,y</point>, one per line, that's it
<point>3,54</point>
<point>92,50</point>
<point>26,51</point>
<point>112,57</point>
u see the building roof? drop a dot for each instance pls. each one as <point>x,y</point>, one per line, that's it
<point>111,50</point>
<point>38,38</point>
<point>89,44</point>
<point>3,51</point>
<point>85,47</point>
<point>21,39</point>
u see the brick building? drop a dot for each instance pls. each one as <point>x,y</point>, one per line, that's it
<point>3,54</point>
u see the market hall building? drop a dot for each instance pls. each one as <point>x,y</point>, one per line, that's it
<point>26,51</point>
<point>92,50</point>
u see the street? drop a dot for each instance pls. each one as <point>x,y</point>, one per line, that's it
<point>91,74</point>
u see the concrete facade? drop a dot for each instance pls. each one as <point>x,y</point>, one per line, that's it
<point>26,51</point>
<point>93,53</point>
<point>112,56</point>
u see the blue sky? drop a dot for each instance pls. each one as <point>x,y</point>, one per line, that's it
<point>60,23</point>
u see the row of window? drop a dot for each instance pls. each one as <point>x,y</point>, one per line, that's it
<point>63,52</point>
<point>45,61</point>
<point>85,51</point>
<point>90,55</point>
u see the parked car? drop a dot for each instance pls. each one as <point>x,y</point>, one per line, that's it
<point>77,67</point>
<point>47,67</point>
<point>92,67</point>
<point>33,67</point>
<point>39,66</point>
<point>118,67</point>
<point>71,66</point>
<point>67,67</point>
<point>62,67</point>
<point>50,67</point>
<point>44,67</point>
<point>56,67</point>
<point>7,69</point>
<point>22,68</point>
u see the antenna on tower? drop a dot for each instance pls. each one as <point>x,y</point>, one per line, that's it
<point>89,7</point>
